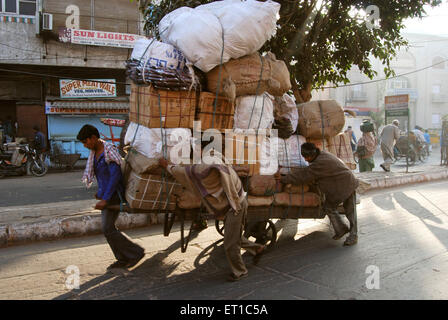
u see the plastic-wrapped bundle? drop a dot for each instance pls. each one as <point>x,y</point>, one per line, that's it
<point>289,152</point>
<point>246,27</point>
<point>254,112</point>
<point>163,78</point>
<point>286,116</point>
<point>175,143</point>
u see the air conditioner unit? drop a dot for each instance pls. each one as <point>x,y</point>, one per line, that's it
<point>47,21</point>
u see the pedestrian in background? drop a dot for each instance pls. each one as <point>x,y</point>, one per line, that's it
<point>352,136</point>
<point>39,142</point>
<point>389,136</point>
<point>428,140</point>
<point>365,150</point>
<point>104,163</point>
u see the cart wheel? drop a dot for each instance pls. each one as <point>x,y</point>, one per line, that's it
<point>264,232</point>
<point>219,225</point>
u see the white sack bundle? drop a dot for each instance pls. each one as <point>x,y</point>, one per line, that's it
<point>254,112</point>
<point>157,54</point>
<point>289,153</point>
<point>246,26</point>
<point>149,142</point>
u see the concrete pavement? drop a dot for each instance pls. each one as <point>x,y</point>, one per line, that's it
<point>401,254</point>
<point>71,213</point>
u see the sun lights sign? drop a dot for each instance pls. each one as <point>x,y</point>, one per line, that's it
<point>95,88</point>
<point>98,38</point>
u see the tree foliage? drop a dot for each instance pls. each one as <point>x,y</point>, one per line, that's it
<point>321,40</point>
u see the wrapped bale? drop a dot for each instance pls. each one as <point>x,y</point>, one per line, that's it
<point>254,112</point>
<point>175,143</point>
<point>307,199</point>
<point>286,116</point>
<point>154,108</point>
<point>290,188</point>
<point>247,26</point>
<point>290,153</point>
<point>221,117</point>
<point>265,185</point>
<point>340,146</point>
<point>320,119</point>
<point>188,200</point>
<point>151,192</point>
<point>260,201</point>
<point>249,154</point>
<point>321,144</point>
<point>251,75</point>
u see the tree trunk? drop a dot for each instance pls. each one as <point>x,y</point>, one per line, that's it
<point>302,95</point>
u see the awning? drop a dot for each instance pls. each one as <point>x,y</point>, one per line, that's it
<point>86,106</point>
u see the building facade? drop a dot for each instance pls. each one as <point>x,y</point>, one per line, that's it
<point>421,72</point>
<point>62,65</point>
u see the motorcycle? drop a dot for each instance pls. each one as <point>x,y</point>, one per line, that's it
<point>24,159</point>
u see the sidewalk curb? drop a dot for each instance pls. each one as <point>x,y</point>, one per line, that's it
<point>64,227</point>
<point>90,224</point>
<point>391,181</point>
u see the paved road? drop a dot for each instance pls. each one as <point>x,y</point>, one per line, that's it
<point>403,249</point>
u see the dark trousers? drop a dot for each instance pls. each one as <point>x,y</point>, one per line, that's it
<point>122,246</point>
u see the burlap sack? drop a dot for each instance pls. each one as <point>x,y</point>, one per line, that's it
<point>188,200</point>
<point>249,73</point>
<point>259,201</point>
<point>263,185</point>
<point>321,118</point>
<point>339,145</point>
<point>139,163</point>
<point>284,199</point>
<point>290,188</point>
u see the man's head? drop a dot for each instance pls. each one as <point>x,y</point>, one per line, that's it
<point>396,123</point>
<point>89,136</point>
<point>309,151</point>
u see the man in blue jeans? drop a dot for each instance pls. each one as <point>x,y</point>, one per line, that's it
<point>104,163</point>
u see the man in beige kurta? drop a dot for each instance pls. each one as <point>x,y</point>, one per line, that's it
<point>221,191</point>
<point>389,136</point>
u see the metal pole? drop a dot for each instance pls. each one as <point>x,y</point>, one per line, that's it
<point>407,157</point>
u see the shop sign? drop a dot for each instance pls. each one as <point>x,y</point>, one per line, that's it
<point>95,88</point>
<point>397,106</point>
<point>98,38</point>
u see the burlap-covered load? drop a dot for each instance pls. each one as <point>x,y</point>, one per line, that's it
<point>254,201</point>
<point>289,152</point>
<point>320,119</point>
<point>151,192</point>
<point>249,73</point>
<point>339,145</point>
<point>308,199</point>
<point>321,144</point>
<point>218,117</point>
<point>263,185</point>
<point>161,108</point>
<point>188,200</point>
<point>291,188</point>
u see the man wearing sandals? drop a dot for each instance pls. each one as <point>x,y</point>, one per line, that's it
<point>336,181</point>
<point>221,191</point>
<point>104,163</point>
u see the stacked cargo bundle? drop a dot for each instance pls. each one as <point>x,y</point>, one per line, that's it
<point>219,78</point>
<point>321,122</point>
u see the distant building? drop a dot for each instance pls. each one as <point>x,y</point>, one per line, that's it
<point>48,44</point>
<point>427,86</point>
